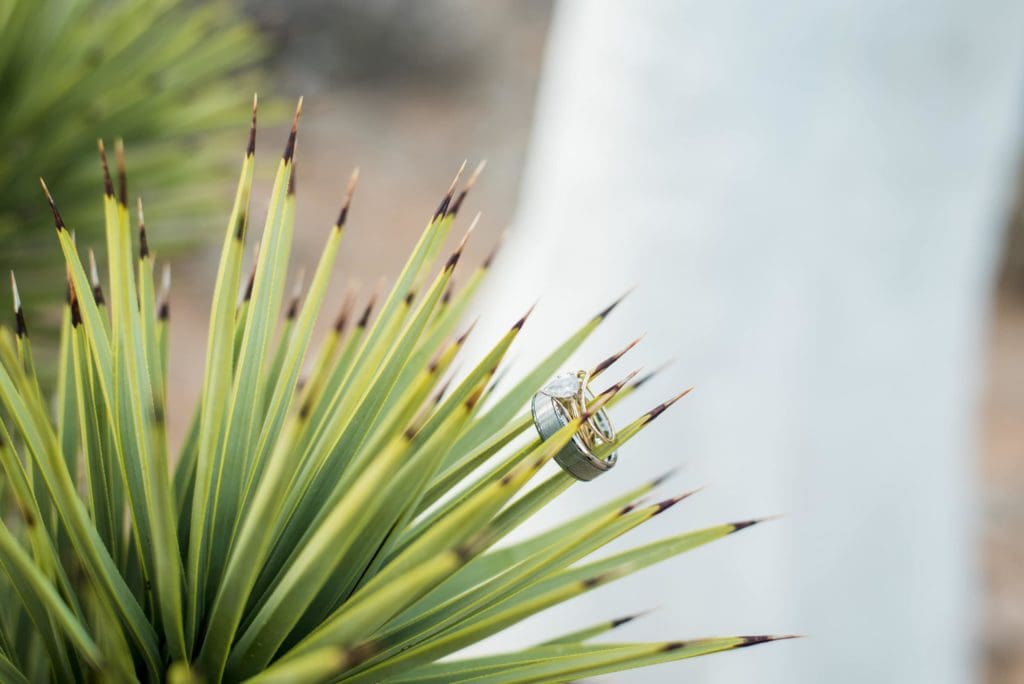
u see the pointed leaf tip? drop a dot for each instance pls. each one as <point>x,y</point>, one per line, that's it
<point>765,638</point>
<point>611,307</point>
<point>122,172</point>
<point>453,260</point>
<point>14,292</point>
<point>461,339</point>
<point>57,220</point>
<point>250,148</point>
<point>522,321</point>
<point>457,204</point>
<point>347,302</point>
<point>365,318</point>
<point>108,184</point>
<point>489,259</point>
<point>744,524</point>
<point>445,205</point>
<point>289,148</point>
<point>448,292</point>
<point>606,363</point>
<point>626,619</point>
<point>143,242</point>
<point>660,408</point>
<point>617,387</point>
<point>664,477</point>
<point>663,506</point>
<point>21,329</point>
<point>347,202</point>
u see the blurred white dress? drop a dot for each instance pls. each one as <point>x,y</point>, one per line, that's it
<point>809,197</point>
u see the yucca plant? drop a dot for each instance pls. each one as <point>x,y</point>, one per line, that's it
<point>162,73</point>
<point>347,527</point>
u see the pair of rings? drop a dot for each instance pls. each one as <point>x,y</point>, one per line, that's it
<point>559,402</point>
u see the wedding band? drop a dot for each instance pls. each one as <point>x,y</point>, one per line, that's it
<point>557,404</point>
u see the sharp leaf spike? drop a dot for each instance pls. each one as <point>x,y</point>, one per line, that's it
<point>343,213</point>
<point>57,220</point>
<point>250,148</point>
<point>122,172</point>
<point>108,184</point>
<point>606,363</point>
<point>289,148</point>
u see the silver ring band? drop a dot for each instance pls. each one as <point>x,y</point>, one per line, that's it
<point>550,416</point>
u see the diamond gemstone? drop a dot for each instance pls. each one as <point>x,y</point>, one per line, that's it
<point>563,387</point>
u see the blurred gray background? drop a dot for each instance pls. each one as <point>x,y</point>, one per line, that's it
<point>406,90</point>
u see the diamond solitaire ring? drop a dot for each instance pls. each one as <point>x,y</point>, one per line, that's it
<point>562,400</point>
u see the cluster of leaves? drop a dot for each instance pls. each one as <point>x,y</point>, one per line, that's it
<point>345,528</point>
<point>162,73</point>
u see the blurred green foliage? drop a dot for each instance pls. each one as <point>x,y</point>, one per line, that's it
<point>164,75</point>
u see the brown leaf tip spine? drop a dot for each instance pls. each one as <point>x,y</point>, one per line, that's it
<point>250,149</point>
<point>457,254</point>
<point>604,365</point>
<point>764,638</point>
<point>469,186</point>
<point>108,185</point>
<point>660,408</point>
<point>122,172</point>
<point>453,260</point>
<point>343,213</point>
<point>744,524</point>
<point>341,322</point>
<point>522,321</point>
<point>409,297</point>
<point>663,506</point>
<point>293,309</point>
<point>289,148</point>
<point>661,479</point>
<point>489,259</point>
<point>461,339</point>
<point>618,622</point>
<point>57,220</point>
<point>365,318</point>
<point>443,207</point>
<point>250,283</point>
<point>94,280</point>
<point>611,307</point>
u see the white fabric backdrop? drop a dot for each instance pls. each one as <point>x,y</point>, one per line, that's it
<point>809,197</point>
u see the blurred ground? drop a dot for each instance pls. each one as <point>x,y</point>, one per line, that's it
<point>406,91</point>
